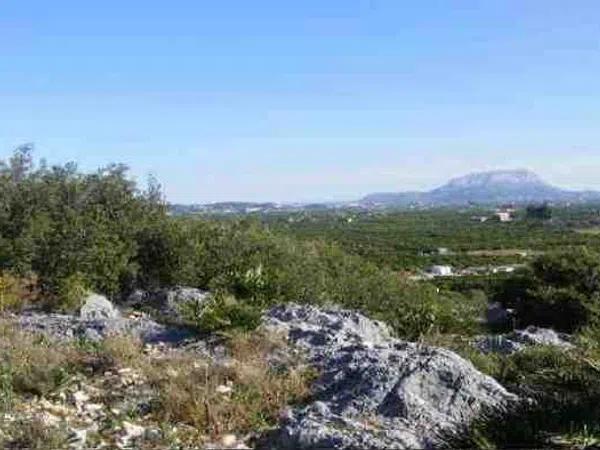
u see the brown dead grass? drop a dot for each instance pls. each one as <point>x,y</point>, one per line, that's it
<point>32,435</point>
<point>32,365</point>
<point>189,388</point>
<point>17,292</point>
<point>125,351</point>
<point>202,398</point>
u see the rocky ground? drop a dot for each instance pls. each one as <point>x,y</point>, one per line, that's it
<point>376,391</point>
<point>371,390</point>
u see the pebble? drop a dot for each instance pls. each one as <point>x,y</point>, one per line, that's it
<point>49,420</point>
<point>153,434</point>
<point>133,431</point>
<point>93,407</point>
<point>228,440</point>
<point>222,389</point>
<point>77,438</point>
<point>80,397</point>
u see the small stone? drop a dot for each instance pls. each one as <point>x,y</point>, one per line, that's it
<point>153,434</point>
<point>222,389</point>
<point>172,372</point>
<point>80,397</point>
<point>133,431</point>
<point>93,407</point>
<point>58,410</point>
<point>49,420</point>
<point>77,438</point>
<point>228,440</point>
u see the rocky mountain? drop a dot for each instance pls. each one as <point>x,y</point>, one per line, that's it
<point>502,186</point>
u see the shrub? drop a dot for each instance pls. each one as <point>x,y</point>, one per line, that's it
<point>72,290</point>
<point>32,365</point>
<point>56,222</point>
<point>17,292</point>
<point>223,312</point>
<point>562,389</point>
<point>98,231</point>
<point>561,290</point>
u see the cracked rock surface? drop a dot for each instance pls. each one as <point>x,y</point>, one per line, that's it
<point>376,391</point>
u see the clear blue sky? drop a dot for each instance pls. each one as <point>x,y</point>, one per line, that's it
<point>304,99</point>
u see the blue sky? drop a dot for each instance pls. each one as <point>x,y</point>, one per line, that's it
<point>304,100</point>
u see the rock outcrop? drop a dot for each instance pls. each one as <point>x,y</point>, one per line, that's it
<point>98,307</point>
<point>98,318</point>
<point>375,391</point>
<point>521,339</point>
<point>62,326</point>
<point>169,303</point>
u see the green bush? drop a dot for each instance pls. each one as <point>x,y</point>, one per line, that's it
<point>562,392</point>
<point>560,290</point>
<point>56,221</point>
<point>71,292</point>
<point>222,313</point>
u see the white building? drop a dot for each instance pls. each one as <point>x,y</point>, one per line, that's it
<point>503,216</point>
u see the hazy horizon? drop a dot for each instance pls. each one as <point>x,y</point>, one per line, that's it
<point>307,101</point>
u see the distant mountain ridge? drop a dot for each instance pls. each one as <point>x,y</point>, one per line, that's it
<point>493,187</point>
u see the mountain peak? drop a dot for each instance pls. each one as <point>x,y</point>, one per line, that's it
<point>494,187</point>
<point>496,178</point>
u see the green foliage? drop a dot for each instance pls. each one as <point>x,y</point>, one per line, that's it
<point>99,232</point>
<point>171,252</point>
<point>408,240</point>
<point>224,312</point>
<point>72,290</point>
<point>564,392</point>
<point>542,212</point>
<point>7,393</point>
<point>416,310</point>
<point>561,290</point>
<point>57,222</point>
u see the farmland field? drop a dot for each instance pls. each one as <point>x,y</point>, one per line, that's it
<point>412,240</point>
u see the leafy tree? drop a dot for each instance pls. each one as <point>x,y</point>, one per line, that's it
<point>560,290</point>
<point>58,222</point>
<point>542,212</point>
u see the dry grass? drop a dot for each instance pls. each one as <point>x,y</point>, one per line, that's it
<point>32,435</point>
<point>32,365</point>
<point>195,392</point>
<point>125,351</point>
<point>17,292</point>
<point>199,397</point>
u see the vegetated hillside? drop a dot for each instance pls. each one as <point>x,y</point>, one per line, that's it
<point>69,232</point>
<point>505,186</point>
<point>180,357</point>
